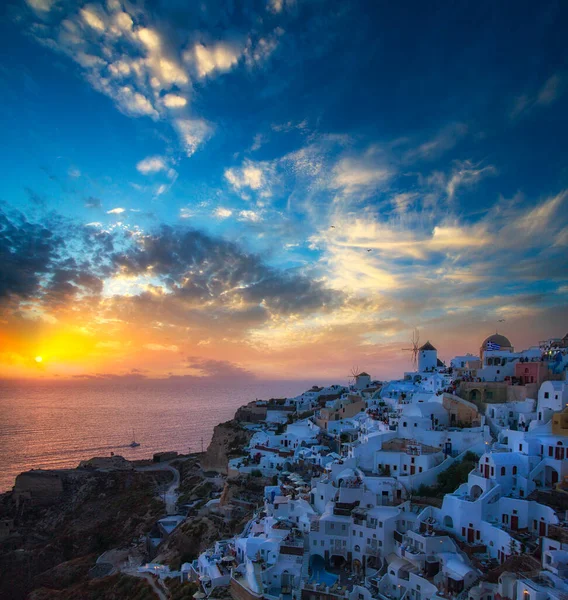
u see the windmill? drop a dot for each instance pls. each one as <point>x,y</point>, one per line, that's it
<point>415,341</point>
<point>352,377</point>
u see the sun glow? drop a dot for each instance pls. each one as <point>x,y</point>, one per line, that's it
<point>38,359</point>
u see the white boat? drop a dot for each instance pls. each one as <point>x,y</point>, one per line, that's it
<point>134,443</point>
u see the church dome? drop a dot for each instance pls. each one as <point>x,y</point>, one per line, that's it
<point>499,340</point>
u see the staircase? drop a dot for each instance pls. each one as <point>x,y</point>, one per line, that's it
<point>306,559</point>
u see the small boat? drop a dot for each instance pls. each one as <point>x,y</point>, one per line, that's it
<point>133,443</point>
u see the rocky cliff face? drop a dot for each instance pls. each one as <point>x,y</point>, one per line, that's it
<point>77,517</point>
<point>227,441</point>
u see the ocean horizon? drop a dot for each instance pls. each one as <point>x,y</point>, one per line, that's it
<point>56,424</point>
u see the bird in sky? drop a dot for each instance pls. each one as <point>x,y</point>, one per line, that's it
<point>369,249</point>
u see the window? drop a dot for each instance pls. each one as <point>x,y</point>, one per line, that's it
<point>546,395</point>
<point>503,470</point>
<point>515,470</point>
<point>420,469</point>
<point>343,528</point>
<point>550,451</point>
<point>404,424</point>
<point>380,524</point>
<point>520,447</point>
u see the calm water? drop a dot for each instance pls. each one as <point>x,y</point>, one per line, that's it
<point>57,424</point>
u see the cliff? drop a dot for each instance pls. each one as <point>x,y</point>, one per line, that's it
<point>62,516</point>
<point>227,441</point>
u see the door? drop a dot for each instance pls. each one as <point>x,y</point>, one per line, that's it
<point>514,522</point>
<point>542,528</point>
<point>412,469</point>
<point>470,536</point>
<point>486,471</point>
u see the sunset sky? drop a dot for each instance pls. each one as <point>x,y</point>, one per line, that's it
<point>278,189</point>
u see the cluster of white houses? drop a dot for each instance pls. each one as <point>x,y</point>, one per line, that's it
<point>344,517</point>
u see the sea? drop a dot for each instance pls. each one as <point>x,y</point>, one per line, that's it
<point>50,425</point>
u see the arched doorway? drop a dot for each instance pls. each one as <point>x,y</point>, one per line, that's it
<point>476,491</point>
<point>448,522</point>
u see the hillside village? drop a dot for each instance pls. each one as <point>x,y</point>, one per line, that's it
<point>361,503</point>
<point>451,482</point>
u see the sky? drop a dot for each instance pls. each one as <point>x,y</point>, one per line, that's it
<point>279,189</point>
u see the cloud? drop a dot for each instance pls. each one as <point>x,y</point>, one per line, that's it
<point>258,51</point>
<point>351,173</point>
<point>443,141</point>
<point>275,6</point>
<point>93,17</point>
<point>174,101</point>
<point>208,59</point>
<point>218,369</point>
<point>250,215</point>
<point>116,211</point>
<point>465,173</point>
<point>136,66</point>
<point>222,213</point>
<point>161,347</point>
<point>552,89</point>
<point>152,164</point>
<point>254,176</point>
<point>41,6</point>
<point>193,133</point>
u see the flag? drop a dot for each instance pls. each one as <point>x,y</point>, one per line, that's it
<point>492,346</point>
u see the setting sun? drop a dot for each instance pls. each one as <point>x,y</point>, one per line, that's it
<point>38,359</point>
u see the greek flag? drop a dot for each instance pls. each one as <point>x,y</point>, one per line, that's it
<point>493,346</point>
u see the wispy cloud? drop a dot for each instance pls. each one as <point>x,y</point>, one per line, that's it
<point>547,94</point>
<point>152,164</point>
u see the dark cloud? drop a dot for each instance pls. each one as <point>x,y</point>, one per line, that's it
<point>52,260</point>
<point>27,253</point>
<point>218,369</point>
<point>197,268</point>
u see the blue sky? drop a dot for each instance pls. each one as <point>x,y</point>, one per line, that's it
<point>353,170</point>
